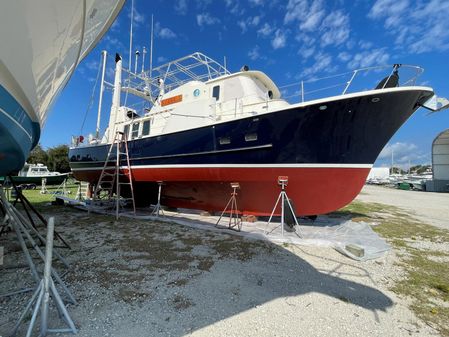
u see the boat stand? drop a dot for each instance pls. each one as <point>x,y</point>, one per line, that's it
<point>233,211</point>
<point>158,208</point>
<point>44,186</point>
<point>24,232</point>
<point>282,182</point>
<point>41,297</point>
<point>29,208</point>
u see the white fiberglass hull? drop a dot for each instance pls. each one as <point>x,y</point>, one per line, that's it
<point>42,43</point>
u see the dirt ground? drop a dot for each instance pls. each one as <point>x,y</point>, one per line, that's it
<point>144,278</point>
<point>429,207</point>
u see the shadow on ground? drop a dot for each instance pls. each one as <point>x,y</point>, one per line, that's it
<point>145,276</point>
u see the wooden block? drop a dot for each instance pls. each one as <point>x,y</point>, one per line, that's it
<point>355,250</point>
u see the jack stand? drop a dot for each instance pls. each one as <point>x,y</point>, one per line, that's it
<point>41,296</point>
<point>157,208</point>
<point>44,186</point>
<point>282,182</point>
<point>23,231</point>
<point>28,208</point>
<point>233,212</point>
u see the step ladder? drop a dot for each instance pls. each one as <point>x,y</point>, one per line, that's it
<point>112,178</point>
<point>82,191</point>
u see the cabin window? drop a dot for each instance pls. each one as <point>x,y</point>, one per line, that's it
<point>135,130</point>
<point>126,130</point>
<point>250,137</point>
<point>146,128</point>
<point>224,140</point>
<point>216,92</point>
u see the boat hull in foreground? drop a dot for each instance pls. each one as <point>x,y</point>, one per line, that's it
<point>326,148</point>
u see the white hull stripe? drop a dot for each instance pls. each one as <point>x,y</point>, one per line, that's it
<point>243,166</point>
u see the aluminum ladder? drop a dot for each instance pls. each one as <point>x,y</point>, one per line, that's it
<point>111,182</point>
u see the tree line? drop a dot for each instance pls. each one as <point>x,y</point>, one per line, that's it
<point>55,158</point>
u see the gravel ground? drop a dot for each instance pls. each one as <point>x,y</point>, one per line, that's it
<point>429,207</point>
<point>141,278</point>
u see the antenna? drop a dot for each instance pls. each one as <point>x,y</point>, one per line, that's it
<point>135,63</point>
<point>144,51</point>
<point>131,36</point>
<point>151,48</point>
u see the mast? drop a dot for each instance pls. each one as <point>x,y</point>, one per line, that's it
<point>115,97</point>
<point>104,54</point>
<point>151,49</point>
<point>131,36</point>
<point>392,162</point>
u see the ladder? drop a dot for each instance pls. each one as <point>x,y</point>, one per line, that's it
<point>111,182</point>
<point>81,193</point>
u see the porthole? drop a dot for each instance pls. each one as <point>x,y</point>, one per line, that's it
<point>251,137</point>
<point>323,107</point>
<point>224,140</point>
<point>375,99</point>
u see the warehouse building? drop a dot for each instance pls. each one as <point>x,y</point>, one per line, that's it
<point>440,163</point>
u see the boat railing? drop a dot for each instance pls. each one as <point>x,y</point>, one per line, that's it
<point>193,67</point>
<point>358,80</point>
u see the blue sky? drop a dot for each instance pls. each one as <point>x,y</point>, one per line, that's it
<point>288,40</point>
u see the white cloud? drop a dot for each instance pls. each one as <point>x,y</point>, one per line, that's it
<point>257,2</point>
<point>279,39</point>
<point>403,154</point>
<point>181,7</point>
<point>308,14</point>
<point>322,64</point>
<point>161,59</point>
<point>206,19</point>
<point>365,44</point>
<point>92,65</point>
<point>265,30</point>
<point>369,58</point>
<point>138,18</point>
<point>306,52</point>
<point>163,32</point>
<point>242,25</point>
<point>254,54</point>
<point>249,22</point>
<point>344,56</point>
<point>255,20</point>
<point>234,7</point>
<point>418,27</point>
<point>335,29</point>
<point>315,22</point>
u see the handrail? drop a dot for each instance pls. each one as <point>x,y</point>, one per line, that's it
<point>306,86</point>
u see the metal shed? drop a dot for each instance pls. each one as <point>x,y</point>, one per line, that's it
<point>440,162</point>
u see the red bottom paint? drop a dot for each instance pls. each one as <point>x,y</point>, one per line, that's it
<point>313,190</point>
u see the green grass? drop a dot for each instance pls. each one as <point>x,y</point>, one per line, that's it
<point>427,279</point>
<point>39,199</point>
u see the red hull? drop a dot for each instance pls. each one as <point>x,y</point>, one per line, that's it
<point>314,190</point>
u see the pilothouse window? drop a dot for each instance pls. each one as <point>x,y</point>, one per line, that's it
<point>146,128</point>
<point>135,130</point>
<point>216,92</point>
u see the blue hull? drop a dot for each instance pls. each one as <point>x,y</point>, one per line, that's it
<point>18,134</point>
